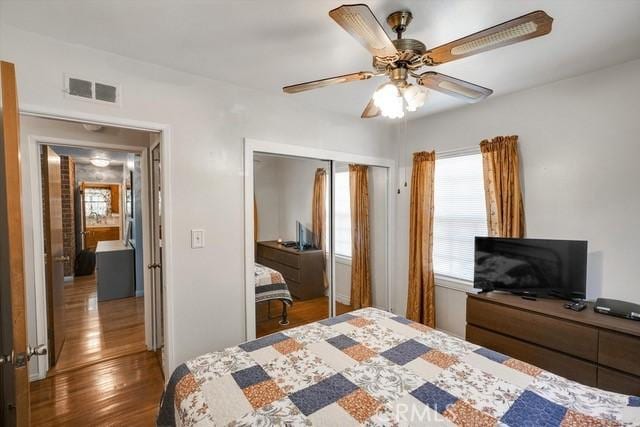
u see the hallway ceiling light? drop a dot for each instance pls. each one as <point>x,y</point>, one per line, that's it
<point>100,162</point>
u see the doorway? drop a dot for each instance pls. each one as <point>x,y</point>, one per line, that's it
<point>106,310</point>
<point>374,196</point>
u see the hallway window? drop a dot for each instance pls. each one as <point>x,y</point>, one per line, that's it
<point>97,201</point>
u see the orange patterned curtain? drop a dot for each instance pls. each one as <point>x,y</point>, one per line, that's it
<point>421,297</point>
<point>503,192</point>
<point>319,210</point>
<point>360,267</point>
<point>319,215</point>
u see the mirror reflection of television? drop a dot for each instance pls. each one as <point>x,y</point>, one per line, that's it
<point>304,237</point>
<point>535,267</point>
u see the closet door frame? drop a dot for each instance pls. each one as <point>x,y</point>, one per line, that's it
<point>253,146</point>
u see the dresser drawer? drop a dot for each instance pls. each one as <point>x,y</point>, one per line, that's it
<point>619,382</point>
<point>553,333</point>
<point>558,363</point>
<point>289,259</point>
<point>619,351</point>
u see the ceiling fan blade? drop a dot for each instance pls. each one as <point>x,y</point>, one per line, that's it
<point>361,23</point>
<point>370,110</point>
<point>531,25</point>
<point>455,87</point>
<point>315,84</point>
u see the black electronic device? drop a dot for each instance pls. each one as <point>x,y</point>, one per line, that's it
<point>576,306</point>
<point>617,308</point>
<point>533,267</point>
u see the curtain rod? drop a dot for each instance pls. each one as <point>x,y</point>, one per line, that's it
<point>457,152</point>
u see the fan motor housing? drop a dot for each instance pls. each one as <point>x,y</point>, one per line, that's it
<point>410,45</point>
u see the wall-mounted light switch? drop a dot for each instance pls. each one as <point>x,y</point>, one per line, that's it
<point>197,239</point>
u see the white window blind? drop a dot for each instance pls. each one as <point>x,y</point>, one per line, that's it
<point>459,214</point>
<point>343,215</point>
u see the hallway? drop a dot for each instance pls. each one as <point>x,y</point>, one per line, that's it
<point>98,332</point>
<point>104,372</point>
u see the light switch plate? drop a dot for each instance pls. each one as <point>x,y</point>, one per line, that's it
<point>197,239</point>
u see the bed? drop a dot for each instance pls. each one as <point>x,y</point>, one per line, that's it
<point>374,368</point>
<point>271,286</point>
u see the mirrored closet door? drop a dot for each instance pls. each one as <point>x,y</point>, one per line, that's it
<point>291,226</point>
<point>320,239</point>
<point>361,245</point>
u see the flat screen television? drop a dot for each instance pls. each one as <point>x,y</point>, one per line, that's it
<point>304,236</point>
<point>536,267</point>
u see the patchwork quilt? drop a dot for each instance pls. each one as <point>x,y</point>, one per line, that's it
<point>270,285</point>
<point>374,368</point>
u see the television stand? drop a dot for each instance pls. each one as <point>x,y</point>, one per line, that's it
<point>584,346</point>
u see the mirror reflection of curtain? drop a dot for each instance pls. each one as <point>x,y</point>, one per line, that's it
<point>319,213</point>
<point>360,265</point>
<point>421,296</point>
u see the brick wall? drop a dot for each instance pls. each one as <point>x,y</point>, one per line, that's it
<point>67,173</point>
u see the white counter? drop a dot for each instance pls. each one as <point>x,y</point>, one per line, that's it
<point>112,246</point>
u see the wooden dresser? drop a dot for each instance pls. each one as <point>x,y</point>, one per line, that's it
<point>587,347</point>
<point>302,270</point>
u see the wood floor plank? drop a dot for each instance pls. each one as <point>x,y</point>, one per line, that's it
<point>98,331</point>
<point>121,391</point>
<point>104,375</point>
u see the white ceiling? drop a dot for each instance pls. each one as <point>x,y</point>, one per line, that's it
<point>266,44</point>
<point>84,155</point>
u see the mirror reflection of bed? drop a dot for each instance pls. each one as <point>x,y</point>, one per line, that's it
<point>292,226</point>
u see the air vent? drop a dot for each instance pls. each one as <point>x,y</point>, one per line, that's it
<point>90,90</point>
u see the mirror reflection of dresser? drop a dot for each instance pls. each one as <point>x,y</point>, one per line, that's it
<point>302,270</point>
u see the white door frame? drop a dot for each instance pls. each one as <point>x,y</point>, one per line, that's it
<point>252,146</point>
<point>31,160</point>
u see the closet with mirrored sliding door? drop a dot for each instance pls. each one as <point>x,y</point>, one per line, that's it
<point>317,235</point>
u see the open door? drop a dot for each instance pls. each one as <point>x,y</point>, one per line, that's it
<point>14,351</point>
<point>54,248</point>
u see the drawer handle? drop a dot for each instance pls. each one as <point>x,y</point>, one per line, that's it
<point>61,259</point>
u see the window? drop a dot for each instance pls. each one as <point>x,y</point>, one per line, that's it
<point>343,215</point>
<point>97,201</point>
<point>459,214</point>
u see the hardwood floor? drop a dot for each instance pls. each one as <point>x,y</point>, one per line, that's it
<point>301,313</point>
<point>104,374</point>
<point>98,331</point>
<point>121,391</point>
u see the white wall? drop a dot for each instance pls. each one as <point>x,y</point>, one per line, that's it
<point>580,150</point>
<point>208,121</point>
<point>284,194</point>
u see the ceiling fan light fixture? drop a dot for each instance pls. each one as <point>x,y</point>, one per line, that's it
<point>100,162</point>
<point>389,100</point>
<point>499,37</point>
<point>415,97</point>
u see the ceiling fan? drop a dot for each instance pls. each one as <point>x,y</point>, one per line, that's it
<point>403,58</point>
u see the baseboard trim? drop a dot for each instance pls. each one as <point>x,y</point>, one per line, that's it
<point>140,293</point>
<point>343,299</point>
<point>68,279</point>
